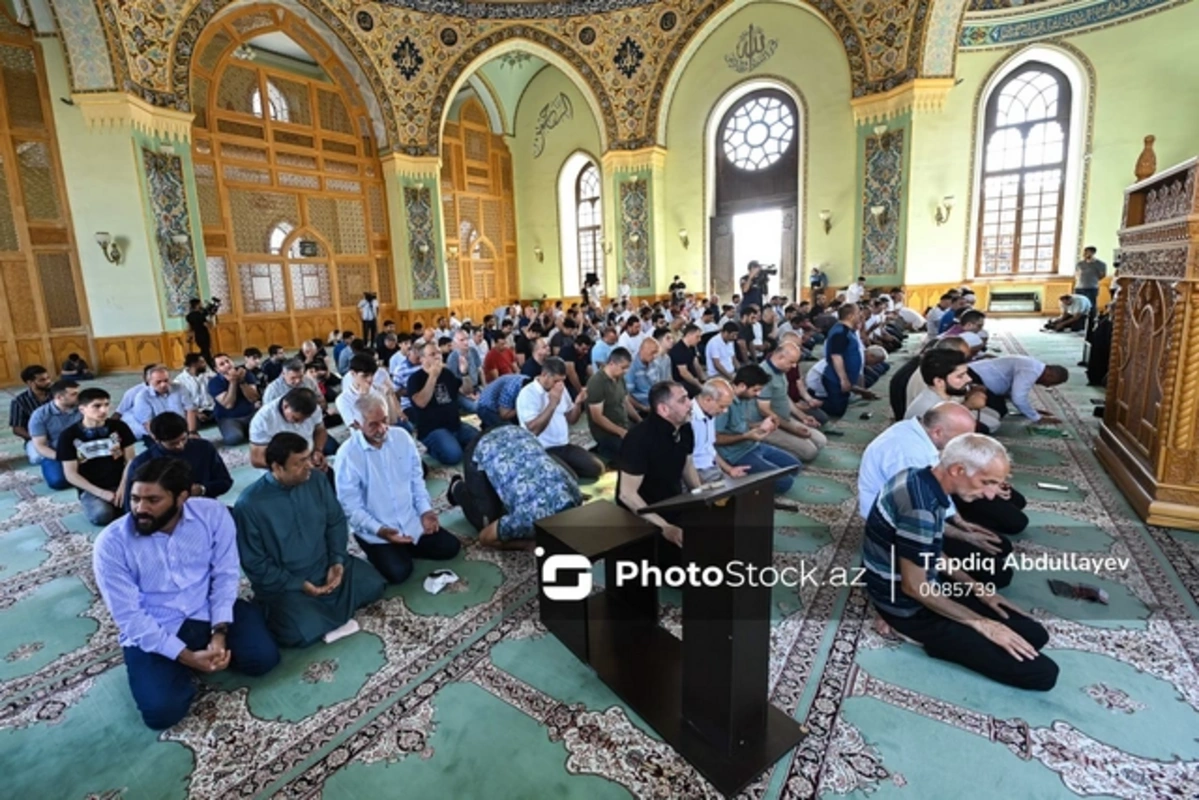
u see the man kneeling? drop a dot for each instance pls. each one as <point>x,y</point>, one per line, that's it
<point>168,572</point>
<point>955,618</point>
<point>292,537</point>
<point>381,487</point>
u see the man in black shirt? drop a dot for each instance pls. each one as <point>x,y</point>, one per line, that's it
<point>197,321</point>
<point>577,356</point>
<point>684,361</point>
<point>523,343</point>
<point>539,351</point>
<point>94,453</point>
<point>655,456</point>
<point>751,286</point>
<point>434,392</point>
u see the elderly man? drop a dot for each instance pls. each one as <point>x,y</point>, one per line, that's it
<point>609,406</point>
<point>434,393</point>
<point>544,408</point>
<point>741,430</point>
<point>1013,378</point>
<point>795,430</point>
<point>511,482</point>
<point>168,572</point>
<point>236,395</point>
<point>643,374</point>
<point>713,400</point>
<point>46,425</point>
<point>292,537</point>
<point>210,476</point>
<point>296,412</point>
<point>292,377</point>
<point>160,397</point>
<point>931,600</point>
<point>381,487</point>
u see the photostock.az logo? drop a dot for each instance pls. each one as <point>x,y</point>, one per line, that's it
<point>573,568</point>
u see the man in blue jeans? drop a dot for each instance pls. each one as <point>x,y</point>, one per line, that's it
<point>844,356</point>
<point>741,430</point>
<point>434,392</point>
<point>94,453</point>
<point>46,424</point>
<point>235,395</point>
<point>168,572</point>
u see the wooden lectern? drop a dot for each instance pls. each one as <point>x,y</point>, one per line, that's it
<point>707,695</point>
<point>1149,439</point>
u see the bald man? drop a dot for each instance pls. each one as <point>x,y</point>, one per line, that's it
<point>917,443</point>
<point>713,399</point>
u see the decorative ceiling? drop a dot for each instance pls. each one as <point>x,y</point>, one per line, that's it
<point>413,55</point>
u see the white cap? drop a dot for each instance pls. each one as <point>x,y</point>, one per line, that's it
<point>972,339</point>
<point>439,579</point>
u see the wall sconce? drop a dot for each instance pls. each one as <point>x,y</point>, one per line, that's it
<point>423,247</point>
<point>880,215</point>
<point>880,129</point>
<point>176,249</point>
<point>451,252</point>
<point>943,209</point>
<point>607,248</point>
<point>635,239</point>
<point>684,238</point>
<point>826,217</point>
<point>110,249</point>
<point>539,254</point>
<point>419,184</point>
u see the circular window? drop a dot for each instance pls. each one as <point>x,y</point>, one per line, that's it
<point>758,132</point>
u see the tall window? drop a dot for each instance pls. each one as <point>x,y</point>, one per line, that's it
<point>590,219</point>
<point>1023,175</point>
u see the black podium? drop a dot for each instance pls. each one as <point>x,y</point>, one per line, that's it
<point>706,696</point>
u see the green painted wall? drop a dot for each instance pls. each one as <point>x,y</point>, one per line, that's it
<point>811,58</point>
<point>1139,67</point>
<point>104,192</point>
<point>508,82</point>
<point>536,179</point>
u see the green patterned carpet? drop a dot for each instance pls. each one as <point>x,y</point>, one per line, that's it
<point>464,696</point>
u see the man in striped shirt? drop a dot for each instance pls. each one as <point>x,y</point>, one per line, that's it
<point>936,603</point>
<point>37,380</point>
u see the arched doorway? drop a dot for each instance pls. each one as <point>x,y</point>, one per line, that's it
<point>289,183</point>
<point>754,138</point>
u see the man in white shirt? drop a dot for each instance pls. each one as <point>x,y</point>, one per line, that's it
<point>543,408</point>
<point>1075,310</point>
<point>624,290</point>
<point>360,380</point>
<point>713,400</point>
<point>721,351</point>
<point>296,412</point>
<point>292,377</point>
<point>1013,378</point>
<point>381,488</point>
<point>368,311</point>
<point>633,335</point>
<point>856,291</point>
<point>194,382</point>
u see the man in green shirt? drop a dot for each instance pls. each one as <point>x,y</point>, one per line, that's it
<point>741,431</point>
<point>292,536</point>
<point>609,407</point>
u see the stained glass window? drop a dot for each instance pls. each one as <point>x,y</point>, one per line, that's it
<point>758,133</point>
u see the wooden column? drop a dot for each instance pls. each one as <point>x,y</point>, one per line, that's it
<point>1149,439</point>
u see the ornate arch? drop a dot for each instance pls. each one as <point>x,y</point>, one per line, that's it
<point>339,53</point>
<point>540,43</point>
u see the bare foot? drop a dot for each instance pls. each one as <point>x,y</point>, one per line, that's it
<point>883,629</point>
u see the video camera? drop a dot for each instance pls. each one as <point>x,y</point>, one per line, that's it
<point>762,278</point>
<point>213,307</point>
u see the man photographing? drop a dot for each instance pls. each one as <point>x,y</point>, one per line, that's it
<point>197,322</point>
<point>754,283</point>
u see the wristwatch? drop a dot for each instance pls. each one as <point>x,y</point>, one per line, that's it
<point>220,627</point>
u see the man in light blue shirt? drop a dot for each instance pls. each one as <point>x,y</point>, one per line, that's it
<point>46,423</point>
<point>643,374</point>
<point>381,488</point>
<point>168,572</point>
<point>159,396</point>
<point>603,348</point>
<point>1013,378</point>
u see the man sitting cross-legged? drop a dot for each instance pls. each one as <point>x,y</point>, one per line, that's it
<point>795,431</point>
<point>510,483</point>
<point>292,537</point>
<point>712,401</point>
<point>46,425</point>
<point>235,393</point>
<point>168,572</point>
<point>210,476</point>
<point>296,412</point>
<point>609,406</point>
<point>954,617</point>
<point>918,442</point>
<point>94,453</point>
<point>545,410</point>
<point>434,392</point>
<point>159,397</point>
<point>741,431</point>
<point>381,487</point>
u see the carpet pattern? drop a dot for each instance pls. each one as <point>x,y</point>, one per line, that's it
<point>464,695</point>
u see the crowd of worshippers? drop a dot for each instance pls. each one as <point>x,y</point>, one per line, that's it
<point>675,395</point>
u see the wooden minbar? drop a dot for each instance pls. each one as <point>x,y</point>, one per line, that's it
<point>1149,439</point>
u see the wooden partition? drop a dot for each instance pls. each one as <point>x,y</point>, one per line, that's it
<point>1148,439</point>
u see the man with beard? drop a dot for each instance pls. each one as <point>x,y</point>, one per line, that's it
<point>946,377</point>
<point>292,536</point>
<point>168,572</point>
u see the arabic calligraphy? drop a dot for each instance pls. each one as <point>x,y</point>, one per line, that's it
<point>752,50</point>
<point>552,113</point>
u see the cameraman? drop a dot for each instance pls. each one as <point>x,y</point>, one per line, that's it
<point>753,286</point>
<point>197,321</point>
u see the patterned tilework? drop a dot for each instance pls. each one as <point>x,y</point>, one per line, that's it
<point>426,284</point>
<point>940,42</point>
<point>168,204</point>
<point>1008,29</point>
<point>882,185</point>
<point>85,44</point>
<point>634,220</point>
